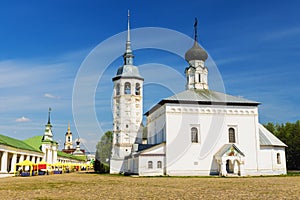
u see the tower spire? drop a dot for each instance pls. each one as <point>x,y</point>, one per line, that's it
<point>48,132</point>
<point>69,129</point>
<point>128,56</point>
<point>128,46</point>
<point>49,115</point>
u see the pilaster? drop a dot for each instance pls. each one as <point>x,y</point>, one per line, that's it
<point>4,162</point>
<point>21,158</point>
<point>13,163</point>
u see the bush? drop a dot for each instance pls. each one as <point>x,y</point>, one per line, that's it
<point>100,167</point>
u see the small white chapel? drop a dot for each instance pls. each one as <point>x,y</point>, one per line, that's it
<point>197,132</point>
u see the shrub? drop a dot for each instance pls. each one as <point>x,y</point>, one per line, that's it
<point>100,167</point>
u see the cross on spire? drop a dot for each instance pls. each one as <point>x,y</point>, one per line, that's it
<point>195,29</point>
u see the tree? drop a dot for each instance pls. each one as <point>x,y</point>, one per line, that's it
<point>104,147</point>
<point>289,133</point>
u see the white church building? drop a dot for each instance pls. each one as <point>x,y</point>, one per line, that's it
<point>197,132</point>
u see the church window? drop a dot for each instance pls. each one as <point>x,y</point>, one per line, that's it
<point>69,138</point>
<point>278,159</point>
<point>159,165</point>
<point>137,89</point>
<point>126,125</point>
<point>150,164</point>
<point>194,134</point>
<point>231,135</point>
<point>118,89</point>
<point>199,77</point>
<point>192,79</point>
<point>127,88</point>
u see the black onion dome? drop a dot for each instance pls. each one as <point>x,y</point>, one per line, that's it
<point>196,53</point>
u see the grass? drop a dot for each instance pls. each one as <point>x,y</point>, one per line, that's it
<point>97,186</point>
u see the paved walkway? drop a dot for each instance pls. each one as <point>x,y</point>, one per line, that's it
<point>6,175</point>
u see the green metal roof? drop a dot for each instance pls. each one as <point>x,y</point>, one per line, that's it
<point>63,154</point>
<point>5,140</point>
<point>35,142</point>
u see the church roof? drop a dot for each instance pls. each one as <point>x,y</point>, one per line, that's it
<point>128,71</point>
<point>266,138</point>
<point>204,97</point>
<point>143,147</point>
<point>196,53</point>
<point>146,148</point>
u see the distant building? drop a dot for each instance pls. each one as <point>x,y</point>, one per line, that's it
<point>78,151</point>
<point>35,149</point>
<point>69,141</point>
<point>197,132</point>
<point>69,144</point>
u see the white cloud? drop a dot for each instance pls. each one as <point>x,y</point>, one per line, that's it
<point>23,119</point>
<point>51,96</point>
<point>294,31</point>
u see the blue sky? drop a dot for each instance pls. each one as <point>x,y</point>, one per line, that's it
<point>255,45</point>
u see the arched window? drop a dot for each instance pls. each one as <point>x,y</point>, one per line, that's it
<point>231,135</point>
<point>69,138</point>
<point>278,159</point>
<point>137,89</point>
<point>118,89</point>
<point>127,88</point>
<point>194,134</point>
<point>159,166</point>
<point>150,164</point>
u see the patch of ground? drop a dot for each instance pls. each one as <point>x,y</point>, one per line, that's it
<point>95,186</point>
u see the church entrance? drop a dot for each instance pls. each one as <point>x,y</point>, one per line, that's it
<point>233,167</point>
<point>230,160</point>
<point>229,167</point>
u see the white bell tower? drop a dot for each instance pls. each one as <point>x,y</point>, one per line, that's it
<point>127,108</point>
<point>196,73</point>
<point>68,138</point>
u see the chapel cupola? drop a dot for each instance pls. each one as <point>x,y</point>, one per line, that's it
<point>196,72</point>
<point>78,151</point>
